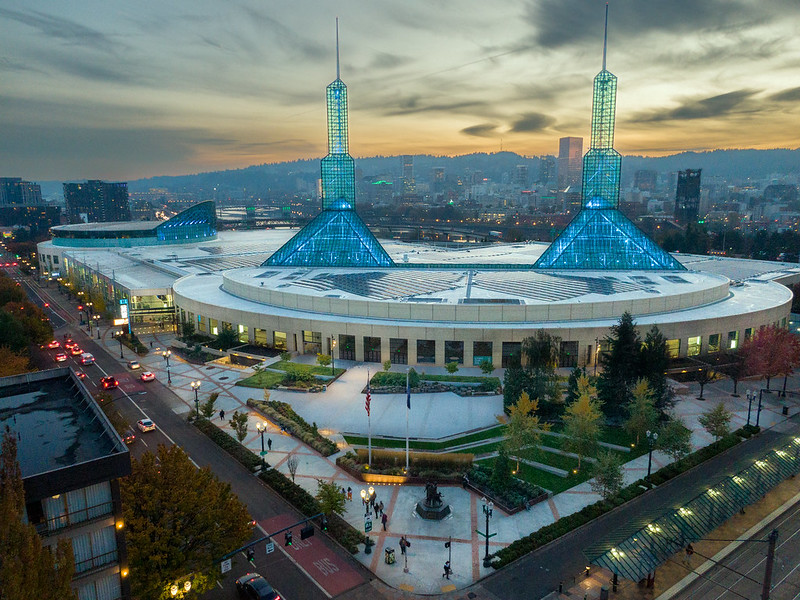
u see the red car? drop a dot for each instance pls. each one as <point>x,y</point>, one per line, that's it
<point>54,344</point>
<point>109,383</point>
<point>61,357</point>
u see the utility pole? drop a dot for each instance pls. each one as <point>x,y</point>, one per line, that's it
<point>773,538</point>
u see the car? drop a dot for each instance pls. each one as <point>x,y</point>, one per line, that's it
<point>70,344</point>
<point>133,364</point>
<point>61,357</point>
<point>109,382</point>
<point>80,375</point>
<point>87,358</point>
<point>53,345</point>
<point>75,351</point>
<point>148,376</point>
<point>146,425</point>
<point>254,587</point>
<point>128,436</point>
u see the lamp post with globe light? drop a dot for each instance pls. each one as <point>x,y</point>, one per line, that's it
<point>195,386</point>
<point>651,440</point>
<point>167,354</point>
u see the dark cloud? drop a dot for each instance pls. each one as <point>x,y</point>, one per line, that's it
<point>561,23</point>
<point>482,130</point>
<point>699,108</point>
<point>531,122</point>
<point>385,60</point>
<point>420,104</point>
<point>789,95</point>
<point>61,29</point>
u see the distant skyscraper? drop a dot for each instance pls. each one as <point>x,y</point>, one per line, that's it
<point>97,201</point>
<point>438,179</point>
<point>520,177</point>
<point>644,180</point>
<point>14,191</point>
<point>687,196</point>
<point>570,163</point>
<point>409,187</point>
<point>547,169</point>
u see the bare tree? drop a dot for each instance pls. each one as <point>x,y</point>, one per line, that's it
<point>292,463</point>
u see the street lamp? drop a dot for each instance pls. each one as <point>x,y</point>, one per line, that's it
<point>488,507</point>
<point>651,440</point>
<point>333,358</point>
<point>596,353</point>
<point>195,386</point>
<point>749,405</point>
<point>167,354</point>
<point>758,411</point>
<point>118,335</point>
<point>97,325</point>
<point>262,427</point>
<point>364,502</point>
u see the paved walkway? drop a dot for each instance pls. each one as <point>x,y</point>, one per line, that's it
<point>341,408</point>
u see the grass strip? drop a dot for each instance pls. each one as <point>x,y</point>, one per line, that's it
<point>378,442</point>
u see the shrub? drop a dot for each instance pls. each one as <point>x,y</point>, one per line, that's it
<point>283,414</point>
<point>445,464</point>
<point>227,443</point>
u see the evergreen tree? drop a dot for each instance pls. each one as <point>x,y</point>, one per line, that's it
<point>620,367</point>
<point>515,382</point>
<point>501,474</point>
<point>653,364</point>
<point>572,383</point>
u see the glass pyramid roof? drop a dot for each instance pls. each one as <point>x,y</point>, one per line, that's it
<point>334,238</point>
<point>605,239</point>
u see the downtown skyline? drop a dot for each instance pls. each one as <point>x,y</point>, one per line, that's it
<point>119,91</point>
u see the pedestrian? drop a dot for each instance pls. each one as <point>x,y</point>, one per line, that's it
<point>384,519</point>
<point>269,443</point>
<point>380,507</point>
<point>349,493</point>
<point>344,494</point>
<point>465,480</point>
<point>151,343</point>
<point>402,544</point>
<point>222,414</point>
<point>447,570</point>
<point>377,508</point>
<point>687,556</point>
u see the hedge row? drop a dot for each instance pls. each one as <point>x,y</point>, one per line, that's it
<point>566,524</point>
<point>338,528</point>
<point>418,461</point>
<point>282,414</point>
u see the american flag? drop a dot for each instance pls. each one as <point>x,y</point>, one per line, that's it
<point>366,404</point>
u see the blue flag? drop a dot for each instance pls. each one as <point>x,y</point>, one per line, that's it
<point>408,394</point>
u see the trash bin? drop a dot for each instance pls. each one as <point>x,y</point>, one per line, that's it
<point>388,555</point>
<point>604,593</point>
<point>785,410</point>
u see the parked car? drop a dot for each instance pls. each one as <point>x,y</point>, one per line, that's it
<point>61,357</point>
<point>87,359</point>
<point>148,376</point>
<point>133,364</point>
<point>54,344</point>
<point>129,437</point>
<point>254,587</point>
<point>109,382</point>
<point>146,425</point>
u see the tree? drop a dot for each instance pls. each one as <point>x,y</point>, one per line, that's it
<point>770,352</point>
<point>207,408</point>
<point>582,421</point>
<point>28,571</point>
<point>13,363</point>
<point>572,383</point>
<point>501,474</point>
<point>323,360</point>
<point>607,475</point>
<point>704,377</point>
<point>515,382</point>
<point>620,366</point>
<point>541,351</point>
<point>227,337</point>
<point>642,413</point>
<point>452,367</point>
<point>179,521</point>
<point>387,364</point>
<point>653,364</point>
<point>330,497</point>
<point>292,463</point>
<point>675,439</point>
<point>524,431</point>
<point>736,369</point>
<point>716,421</point>
<point>239,424</point>
<point>487,367</point>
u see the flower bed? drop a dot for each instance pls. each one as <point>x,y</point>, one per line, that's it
<point>283,414</point>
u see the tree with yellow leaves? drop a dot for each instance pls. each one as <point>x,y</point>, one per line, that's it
<point>524,430</point>
<point>642,413</point>
<point>582,421</point>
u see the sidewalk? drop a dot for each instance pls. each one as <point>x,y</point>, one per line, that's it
<point>341,408</point>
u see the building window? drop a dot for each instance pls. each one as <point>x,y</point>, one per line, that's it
<point>74,507</point>
<point>94,549</point>
<point>674,348</point>
<point>398,351</point>
<point>312,342</point>
<point>512,353</point>
<point>347,347</point>
<point>279,340</point>
<point>733,340</point>
<point>481,351</point>
<point>55,260</point>
<point>102,588</point>
<point>694,346</point>
<point>426,351</point>
<point>372,349</point>
<point>202,327</point>
<point>568,355</point>
<point>713,342</point>
<point>454,352</point>
<point>243,334</point>
<point>748,333</point>
<point>213,325</point>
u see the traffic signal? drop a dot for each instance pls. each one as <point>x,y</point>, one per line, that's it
<point>324,523</point>
<point>80,307</point>
<point>251,556</point>
<point>307,531</point>
<point>287,538</point>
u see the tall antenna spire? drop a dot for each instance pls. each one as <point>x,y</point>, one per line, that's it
<point>337,44</point>
<point>605,42</point>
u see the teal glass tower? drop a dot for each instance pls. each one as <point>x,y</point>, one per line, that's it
<point>336,237</point>
<point>600,237</point>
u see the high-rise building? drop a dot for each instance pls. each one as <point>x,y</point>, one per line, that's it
<point>15,191</point>
<point>547,169</point>
<point>687,196</point>
<point>97,201</point>
<point>409,187</point>
<point>438,180</point>
<point>520,176</point>
<point>570,163</point>
<point>645,180</point>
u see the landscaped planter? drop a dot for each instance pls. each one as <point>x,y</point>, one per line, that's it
<point>501,505</point>
<point>395,479</point>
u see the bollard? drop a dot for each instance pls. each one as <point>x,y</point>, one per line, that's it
<point>560,586</point>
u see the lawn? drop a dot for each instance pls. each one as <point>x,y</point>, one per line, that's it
<point>495,381</point>
<point>285,365</point>
<point>551,482</point>
<point>418,445</point>
<point>263,379</point>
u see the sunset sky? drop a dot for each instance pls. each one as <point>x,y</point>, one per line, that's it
<point>122,90</point>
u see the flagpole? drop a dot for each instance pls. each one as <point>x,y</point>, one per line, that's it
<point>408,406</point>
<point>369,427</point>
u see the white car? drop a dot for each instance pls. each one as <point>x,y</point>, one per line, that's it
<point>87,358</point>
<point>147,376</point>
<point>146,425</point>
<point>133,364</point>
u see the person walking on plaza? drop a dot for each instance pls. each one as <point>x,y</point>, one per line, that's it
<point>222,414</point>
<point>384,519</point>
<point>380,507</point>
<point>269,444</point>
<point>687,556</point>
<point>403,544</point>
<point>377,508</point>
<point>349,493</point>
<point>447,570</point>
